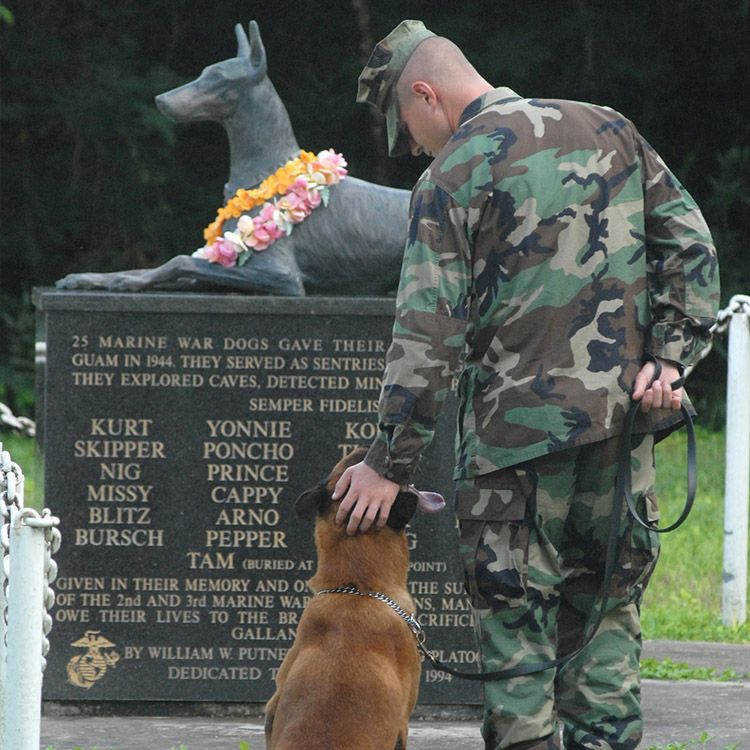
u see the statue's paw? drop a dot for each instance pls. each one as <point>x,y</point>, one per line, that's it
<point>112,282</point>
<point>125,282</point>
<point>80,281</point>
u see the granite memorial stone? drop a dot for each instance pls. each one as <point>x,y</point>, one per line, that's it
<point>177,430</point>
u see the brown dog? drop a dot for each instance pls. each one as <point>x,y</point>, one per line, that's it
<point>350,680</point>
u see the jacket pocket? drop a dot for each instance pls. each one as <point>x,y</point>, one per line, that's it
<point>641,547</point>
<point>494,546</point>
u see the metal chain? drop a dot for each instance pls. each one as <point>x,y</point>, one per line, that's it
<point>11,477</point>
<point>740,303</point>
<point>408,618</point>
<point>53,539</point>
<point>24,425</point>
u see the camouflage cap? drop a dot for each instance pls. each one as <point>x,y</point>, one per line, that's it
<point>378,79</point>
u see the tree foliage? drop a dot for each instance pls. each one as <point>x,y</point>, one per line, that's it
<point>94,178</point>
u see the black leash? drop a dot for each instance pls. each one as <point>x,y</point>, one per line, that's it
<point>623,494</point>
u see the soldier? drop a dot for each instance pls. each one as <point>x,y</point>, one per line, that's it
<point>553,257</point>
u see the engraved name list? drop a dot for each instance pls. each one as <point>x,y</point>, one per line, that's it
<point>175,445</point>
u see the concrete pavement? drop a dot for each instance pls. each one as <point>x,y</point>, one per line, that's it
<point>674,712</point>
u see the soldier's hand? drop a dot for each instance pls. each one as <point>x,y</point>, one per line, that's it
<point>659,394</point>
<point>367,495</point>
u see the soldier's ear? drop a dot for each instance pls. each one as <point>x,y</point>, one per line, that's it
<point>315,500</point>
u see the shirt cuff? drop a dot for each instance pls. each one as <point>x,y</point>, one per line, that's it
<point>379,459</point>
<point>677,343</point>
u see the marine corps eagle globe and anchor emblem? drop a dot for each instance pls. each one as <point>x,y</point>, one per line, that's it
<point>88,668</point>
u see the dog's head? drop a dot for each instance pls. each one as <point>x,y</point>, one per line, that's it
<point>318,500</point>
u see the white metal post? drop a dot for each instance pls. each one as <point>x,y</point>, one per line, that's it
<point>11,487</point>
<point>5,466</point>
<point>737,471</point>
<point>3,650</point>
<point>26,593</point>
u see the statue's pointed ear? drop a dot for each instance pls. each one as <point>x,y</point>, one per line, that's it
<point>257,52</point>
<point>313,501</point>
<point>243,44</point>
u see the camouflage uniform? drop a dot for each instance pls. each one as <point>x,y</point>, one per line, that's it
<point>549,249</point>
<point>533,542</point>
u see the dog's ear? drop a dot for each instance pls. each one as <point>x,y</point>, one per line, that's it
<point>402,510</point>
<point>312,501</point>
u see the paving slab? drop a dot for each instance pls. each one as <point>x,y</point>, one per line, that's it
<point>682,711</point>
<point>674,711</point>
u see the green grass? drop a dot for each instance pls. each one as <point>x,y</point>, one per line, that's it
<point>666,669</point>
<point>683,600</point>
<point>21,451</point>
<point>700,744</point>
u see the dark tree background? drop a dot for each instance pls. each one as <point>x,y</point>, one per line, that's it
<point>94,178</point>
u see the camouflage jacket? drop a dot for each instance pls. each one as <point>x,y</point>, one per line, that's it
<point>549,249</point>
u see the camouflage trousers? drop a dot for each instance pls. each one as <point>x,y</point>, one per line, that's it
<point>533,540</point>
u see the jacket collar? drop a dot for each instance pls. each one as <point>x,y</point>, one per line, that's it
<point>496,96</point>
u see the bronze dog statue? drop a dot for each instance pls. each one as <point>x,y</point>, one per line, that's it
<point>353,246</point>
<point>351,679</point>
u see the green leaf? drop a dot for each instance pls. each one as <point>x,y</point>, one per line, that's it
<point>6,16</point>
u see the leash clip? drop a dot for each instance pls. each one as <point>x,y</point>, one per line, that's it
<point>416,629</point>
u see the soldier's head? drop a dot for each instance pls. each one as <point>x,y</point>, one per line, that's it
<point>421,83</point>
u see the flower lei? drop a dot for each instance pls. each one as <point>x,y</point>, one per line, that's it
<point>303,184</point>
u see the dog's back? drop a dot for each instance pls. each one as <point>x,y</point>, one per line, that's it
<point>353,685</point>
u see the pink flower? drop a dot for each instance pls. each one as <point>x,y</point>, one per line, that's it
<point>294,207</point>
<point>313,199</point>
<point>330,165</point>
<point>258,240</point>
<point>299,187</point>
<point>316,178</point>
<point>308,193</point>
<point>264,238</point>
<point>255,232</point>
<point>265,231</point>
<point>266,214</point>
<point>221,251</point>
<point>245,227</point>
